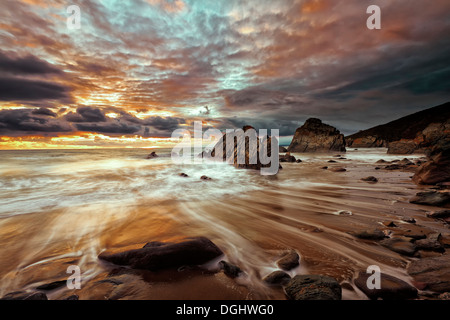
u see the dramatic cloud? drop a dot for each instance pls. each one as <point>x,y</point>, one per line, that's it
<point>147,67</point>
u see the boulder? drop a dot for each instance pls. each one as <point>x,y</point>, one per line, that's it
<point>156,256</point>
<point>289,261</point>
<point>152,155</point>
<point>431,198</point>
<point>315,136</point>
<point>391,288</point>
<point>313,287</point>
<point>434,171</point>
<point>399,245</point>
<point>404,146</point>
<point>277,278</point>
<point>20,295</point>
<point>230,269</point>
<point>248,153</point>
<point>433,273</point>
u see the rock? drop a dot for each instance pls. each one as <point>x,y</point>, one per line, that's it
<point>249,153</point>
<point>405,162</point>
<point>381,161</point>
<point>404,146</point>
<point>230,269</point>
<point>429,245</point>
<point>389,224</point>
<point>205,178</point>
<point>391,288</point>
<point>344,213</point>
<point>287,158</point>
<point>289,261</point>
<point>20,295</point>
<point>277,278</point>
<point>408,219</point>
<point>444,296</point>
<point>298,161</point>
<point>152,155</point>
<point>431,198</point>
<point>191,251</point>
<point>435,171</point>
<point>373,234</point>
<point>331,161</point>
<point>52,285</point>
<point>377,168</point>
<point>183,175</point>
<point>433,272</point>
<point>282,149</point>
<point>441,214</point>
<point>400,246</point>
<point>393,167</point>
<point>370,179</point>
<point>72,297</point>
<point>365,142</point>
<point>313,287</point>
<point>324,168</point>
<point>315,136</point>
<point>338,169</point>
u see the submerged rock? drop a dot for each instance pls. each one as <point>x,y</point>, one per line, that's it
<point>287,158</point>
<point>313,287</point>
<point>156,256</point>
<point>184,175</point>
<point>205,178</point>
<point>315,136</point>
<point>391,288</point>
<point>277,278</point>
<point>152,155</point>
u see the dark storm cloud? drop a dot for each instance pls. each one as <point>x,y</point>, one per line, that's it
<point>18,89</point>
<point>111,127</point>
<point>167,124</point>
<point>25,65</point>
<point>86,114</point>
<point>44,112</point>
<point>25,120</point>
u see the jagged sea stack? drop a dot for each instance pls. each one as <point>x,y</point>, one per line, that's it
<point>315,136</point>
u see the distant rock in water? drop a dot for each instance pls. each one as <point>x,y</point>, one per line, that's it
<point>152,155</point>
<point>249,153</point>
<point>156,256</point>
<point>287,158</point>
<point>282,149</point>
<point>315,136</point>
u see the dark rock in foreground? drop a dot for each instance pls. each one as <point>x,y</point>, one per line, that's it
<point>156,256</point>
<point>391,288</point>
<point>313,287</point>
<point>289,261</point>
<point>277,278</point>
<point>315,136</point>
<point>20,295</point>
<point>433,273</point>
<point>52,285</point>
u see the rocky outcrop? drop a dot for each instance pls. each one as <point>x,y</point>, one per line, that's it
<point>437,168</point>
<point>313,287</point>
<point>433,273</point>
<point>249,153</point>
<point>365,142</point>
<point>156,256</point>
<point>315,136</point>
<point>402,147</point>
<point>431,198</point>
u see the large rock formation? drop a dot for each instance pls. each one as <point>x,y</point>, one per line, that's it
<point>405,128</point>
<point>315,136</point>
<point>264,147</point>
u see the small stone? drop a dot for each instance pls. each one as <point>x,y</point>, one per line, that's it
<point>230,269</point>
<point>324,168</point>
<point>389,224</point>
<point>205,178</point>
<point>370,179</point>
<point>183,175</point>
<point>277,278</point>
<point>289,261</point>
<point>331,161</point>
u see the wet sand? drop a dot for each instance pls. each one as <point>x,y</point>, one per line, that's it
<point>296,209</point>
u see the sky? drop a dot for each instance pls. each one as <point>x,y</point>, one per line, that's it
<point>137,70</point>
